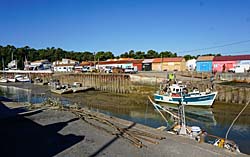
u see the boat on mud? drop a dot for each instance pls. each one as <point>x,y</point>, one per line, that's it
<point>21,78</point>
<point>178,93</point>
<point>3,80</point>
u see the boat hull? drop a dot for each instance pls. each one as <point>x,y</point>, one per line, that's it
<point>199,100</point>
<point>11,79</point>
<point>3,80</point>
<point>61,91</point>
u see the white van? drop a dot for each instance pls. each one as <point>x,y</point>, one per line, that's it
<point>240,68</point>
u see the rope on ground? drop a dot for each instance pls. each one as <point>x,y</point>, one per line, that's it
<point>134,136</point>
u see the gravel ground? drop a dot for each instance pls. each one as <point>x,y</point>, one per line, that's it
<point>60,133</point>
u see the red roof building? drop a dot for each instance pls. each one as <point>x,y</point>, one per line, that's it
<point>224,63</point>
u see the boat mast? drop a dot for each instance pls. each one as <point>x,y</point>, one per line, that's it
<point>183,130</point>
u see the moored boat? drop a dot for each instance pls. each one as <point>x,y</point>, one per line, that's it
<point>11,79</point>
<point>21,78</point>
<point>177,93</point>
<point>3,80</point>
<point>62,91</point>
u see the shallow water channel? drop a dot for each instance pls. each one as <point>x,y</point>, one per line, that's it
<point>137,108</point>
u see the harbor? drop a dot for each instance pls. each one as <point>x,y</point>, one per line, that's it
<point>136,108</point>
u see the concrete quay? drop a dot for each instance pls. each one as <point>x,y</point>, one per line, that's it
<point>61,133</point>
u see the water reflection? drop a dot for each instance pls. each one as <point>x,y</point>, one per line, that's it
<point>137,108</point>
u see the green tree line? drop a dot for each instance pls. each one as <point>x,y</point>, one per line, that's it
<point>10,52</point>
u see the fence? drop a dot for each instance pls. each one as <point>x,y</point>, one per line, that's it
<point>118,83</point>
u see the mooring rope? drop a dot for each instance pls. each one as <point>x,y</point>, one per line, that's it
<point>236,118</point>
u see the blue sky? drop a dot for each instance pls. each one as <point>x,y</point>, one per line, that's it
<point>122,25</point>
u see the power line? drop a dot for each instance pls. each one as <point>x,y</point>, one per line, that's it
<point>219,46</point>
<point>237,52</point>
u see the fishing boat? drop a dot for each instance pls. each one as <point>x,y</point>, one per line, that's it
<point>177,93</point>
<point>11,79</point>
<point>21,78</point>
<point>57,88</point>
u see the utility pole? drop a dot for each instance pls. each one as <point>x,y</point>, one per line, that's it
<point>94,59</point>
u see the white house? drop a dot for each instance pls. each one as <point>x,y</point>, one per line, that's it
<point>66,61</point>
<point>66,65</point>
<point>191,64</point>
<point>38,65</point>
<point>64,68</point>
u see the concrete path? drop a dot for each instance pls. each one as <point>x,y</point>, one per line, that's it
<point>60,133</point>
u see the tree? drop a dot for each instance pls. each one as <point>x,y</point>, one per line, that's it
<point>188,57</point>
<point>152,54</point>
<point>124,55</point>
<point>131,54</point>
<point>139,55</point>
<point>167,54</point>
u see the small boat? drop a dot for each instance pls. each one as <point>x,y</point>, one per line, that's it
<point>61,89</point>
<point>39,81</point>
<point>11,79</point>
<point>177,93</point>
<point>3,80</point>
<point>21,78</point>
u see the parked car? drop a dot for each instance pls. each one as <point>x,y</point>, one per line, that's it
<point>130,70</point>
<point>92,69</point>
<point>108,69</point>
<point>85,69</point>
<point>241,68</point>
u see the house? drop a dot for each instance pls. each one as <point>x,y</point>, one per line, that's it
<point>38,65</point>
<point>64,68</point>
<point>66,65</point>
<point>12,65</point>
<point>147,64</point>
<point>191,65</point>
<point>224,63</point>
<point>121,63</point>
<point>204,63</point>
<point>169,64</point>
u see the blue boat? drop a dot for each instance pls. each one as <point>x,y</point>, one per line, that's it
<point>177,93</point>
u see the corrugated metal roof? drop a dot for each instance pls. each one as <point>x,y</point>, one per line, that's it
<point>231,58</point>
<point>122,61</point>
<point>114,62</point>
<point>175,59</point>
<point>205,58</point>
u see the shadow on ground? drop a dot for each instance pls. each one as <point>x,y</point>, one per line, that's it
<point>106,145</point>
<point>20,136</point>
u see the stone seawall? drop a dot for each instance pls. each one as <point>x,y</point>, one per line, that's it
<point>226,93</point>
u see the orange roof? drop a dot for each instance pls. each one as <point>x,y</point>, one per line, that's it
<point>135,61</point>
<point>86,63</point>
<point>175,59</point>
<point>205,58</point>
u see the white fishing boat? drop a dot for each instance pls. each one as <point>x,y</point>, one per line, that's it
<point>11,79</point>
<point>177,93</point>
<point>21,78</point>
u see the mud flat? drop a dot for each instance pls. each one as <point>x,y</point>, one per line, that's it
<point>62,133</point>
